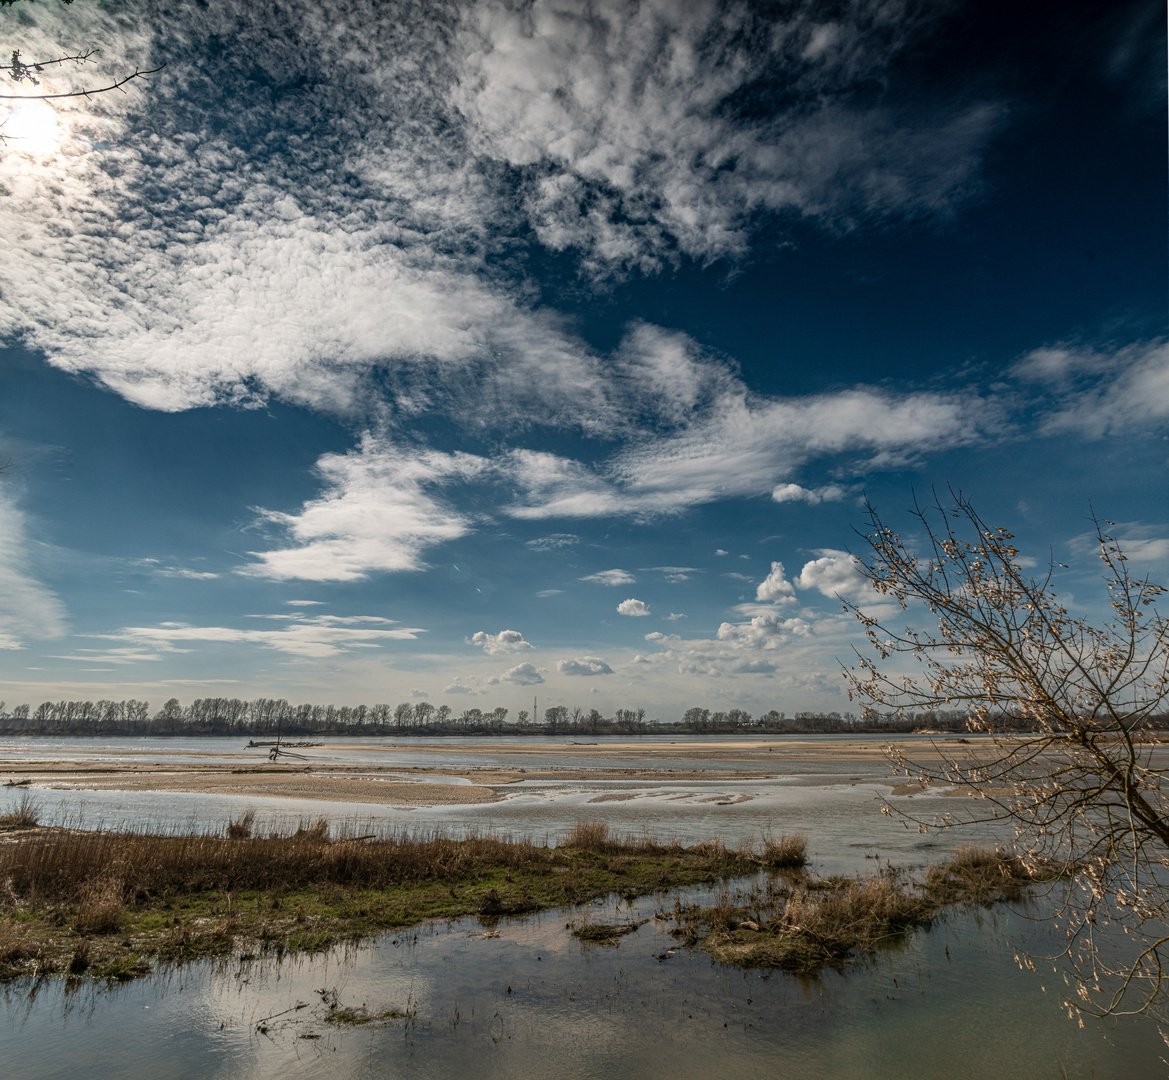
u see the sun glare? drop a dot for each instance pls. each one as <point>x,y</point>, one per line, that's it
<point>32,127</point>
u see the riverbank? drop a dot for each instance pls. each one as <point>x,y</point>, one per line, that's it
<point>115,905</point>
<point>111,905</point>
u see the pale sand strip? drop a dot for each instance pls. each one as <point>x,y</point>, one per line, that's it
<point>383,784</point>
<point>291,786</point>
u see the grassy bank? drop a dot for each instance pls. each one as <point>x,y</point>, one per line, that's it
<point>804,924</point>
<point>114,904</point>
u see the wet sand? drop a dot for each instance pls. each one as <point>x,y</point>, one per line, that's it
<point>409,786</point>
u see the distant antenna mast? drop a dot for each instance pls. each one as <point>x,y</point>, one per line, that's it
<point>534,713</point>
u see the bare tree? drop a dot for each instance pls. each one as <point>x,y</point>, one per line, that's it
<point>25,73</point>
<point>1071,759</point>
<point>21,72</point>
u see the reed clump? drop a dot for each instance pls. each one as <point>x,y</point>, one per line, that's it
<point>803,924</point>
<point>104,903</point>
<point>240,828</point>
<point>786,853</point>
<point>60,866</point>
<point>24,815</point>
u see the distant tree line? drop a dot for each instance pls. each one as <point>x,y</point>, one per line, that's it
<point>268,717</point>
<point>811,723</point>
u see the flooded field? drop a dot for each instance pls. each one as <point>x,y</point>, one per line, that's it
<point>691,788</point>
<point>524,998</point>
<point>534,1002</point>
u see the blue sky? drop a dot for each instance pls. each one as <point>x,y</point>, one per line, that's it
<point>479,351</point>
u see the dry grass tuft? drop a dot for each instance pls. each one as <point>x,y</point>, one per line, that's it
<point>88,869</point>
<point>15,943</point>
<point>817,923</point>
<point>588,836</point>
<point>982,875</point>
<point>786,853</point>
<point>101,910</point>
<point>240,828</point>
<point>24,815</point>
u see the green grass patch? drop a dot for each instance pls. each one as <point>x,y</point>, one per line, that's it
<point>111,905</point>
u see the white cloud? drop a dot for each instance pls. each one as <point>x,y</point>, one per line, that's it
<point>416,693</point>
<point>506,641</point>
<point>674,616</point>
<point>457,686</point>
<point>543,594</point>
<point>794,493</point>
<point>834,573</point>
<point>674,574</point>
<point>1136,542</point>
<point>584,665</point>
<point>719,551</point>
<point>312,637</point>
<point>767,630</point>
<point>554,542</point>
<point>1151,550</point>
<point>305,603</point>
<point>343,262</point>
<point>632,607</point>
<point>183,572</point>
<point>775,586</point>
<point>523,674</point>
<point>740,445</point>
<point>28,609</point>
<point>766,645</point>
<point>379,510</point>
<point>611,577</point>
<point>1100,392</point>
<point>622,120</point>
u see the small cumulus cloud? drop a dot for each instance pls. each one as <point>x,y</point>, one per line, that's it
<point>506,641</point>
<point>523,674</point>
<point>719,551</point>
<point>794,493</point>
<point>304,603</point>
<point>835,573</point>
<point>611,577</point>
<point>632,607</point>
<point>415,692</point>
<point>775,587</point>
<point>674,616</point>
<point>584,665</point>
<point>763,630</point>
<point>458,687</point>
<point>543,594</point>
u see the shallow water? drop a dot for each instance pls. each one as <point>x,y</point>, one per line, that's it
<point>534,1003</point>
<point>836,806</point>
